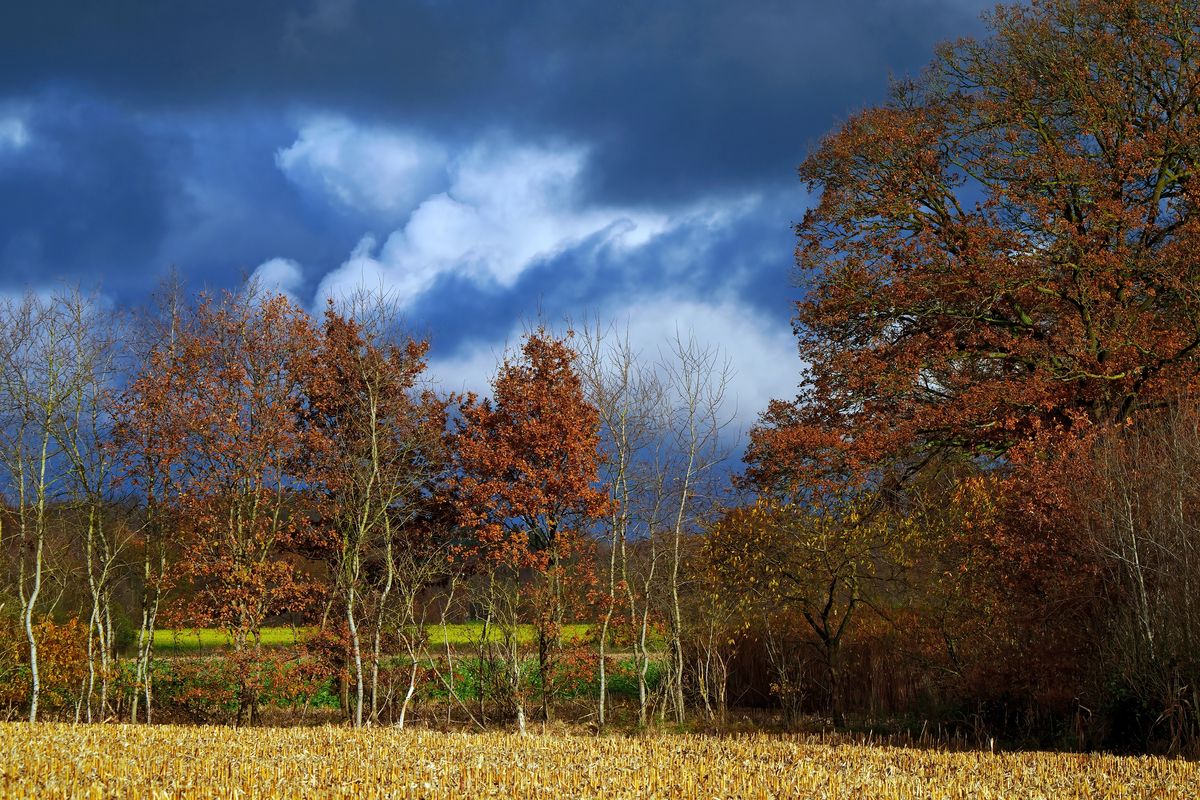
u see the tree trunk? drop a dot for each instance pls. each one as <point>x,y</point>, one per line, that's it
<point>35,675</point>
<point>356,647</point>
<point>377,644</point>
<point>412,689</point>
<point>642,661</point>
<point>835,689</point>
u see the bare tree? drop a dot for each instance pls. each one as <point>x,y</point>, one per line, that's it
<point>714,616</point>
<point>39,376</point>
<point>628,395</point>
<point>82,432</point>
<point>664,421</point>
<point>420,563</point>
<point>1141,504</point>
<point>697,379</point>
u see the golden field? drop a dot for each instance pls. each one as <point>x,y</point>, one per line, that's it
<point>101,761</point>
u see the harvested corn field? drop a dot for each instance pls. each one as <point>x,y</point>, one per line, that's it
<point>100,761</point>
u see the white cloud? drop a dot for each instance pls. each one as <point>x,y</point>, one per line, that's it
<point>487,214</point>
<point>500,209</point>
<point>472,368</point>
<point>505,208</point>
<point>280,275</point>
<point>761,352</point>
<point>374,171</point>
<point>14,133</point>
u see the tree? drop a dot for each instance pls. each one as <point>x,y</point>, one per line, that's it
<point>381,460</point>
<point>716,622</point>
<point>525,482</point>
<point>239,425</point>
<point>826,559</point>
<point>662,431</point>
<point>628,397</point>
<point>91,336</point>
<point>1007,243</point>
<point>150,452</point>
<point>1136,492</point>
<point>46,372</point>
<point>696,378</point>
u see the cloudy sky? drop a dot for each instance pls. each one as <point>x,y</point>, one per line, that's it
<point>486,161</point>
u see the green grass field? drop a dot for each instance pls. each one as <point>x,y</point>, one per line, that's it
<point>465,634</point>
<point>469,633</point>
<point>193,639</point>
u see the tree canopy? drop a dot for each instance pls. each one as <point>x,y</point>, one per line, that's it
<point>1007,243</point>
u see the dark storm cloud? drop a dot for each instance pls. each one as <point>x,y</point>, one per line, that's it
<point>83,198</point>
<point>627,158</point>
<point>677,97</point>
<point>98,195</point>
<point>234,208</point>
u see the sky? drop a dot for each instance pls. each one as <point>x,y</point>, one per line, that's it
<point>486,162</point>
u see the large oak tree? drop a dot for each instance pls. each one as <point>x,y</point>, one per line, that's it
<point>1008,243</point>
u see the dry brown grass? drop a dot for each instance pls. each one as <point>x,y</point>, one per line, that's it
<point>58,760</point>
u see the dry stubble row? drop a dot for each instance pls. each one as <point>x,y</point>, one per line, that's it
<point>55,760</point>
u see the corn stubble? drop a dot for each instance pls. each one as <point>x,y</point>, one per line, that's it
<point>100,761</point>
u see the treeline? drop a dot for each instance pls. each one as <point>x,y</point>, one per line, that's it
<point>231,462</point>
<point>979,514</point>
<point>996,430</point>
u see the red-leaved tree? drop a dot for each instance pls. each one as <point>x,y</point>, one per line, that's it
<point>526,487</point>
<point>1009,242</point>
<point>224,412</point>
<point>384,452</point>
